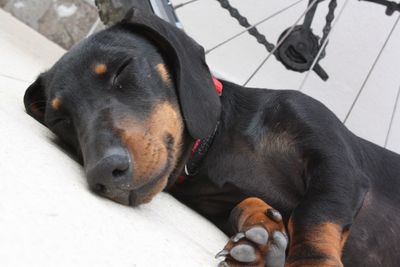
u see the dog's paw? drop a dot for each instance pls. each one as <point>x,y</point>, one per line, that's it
<point>261,241</point>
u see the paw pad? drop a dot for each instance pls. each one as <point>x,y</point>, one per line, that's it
<point>261,244</point>
<point>243,253</point>
<point>258,235</point>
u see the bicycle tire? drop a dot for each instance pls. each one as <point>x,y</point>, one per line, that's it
<point>112,11</point>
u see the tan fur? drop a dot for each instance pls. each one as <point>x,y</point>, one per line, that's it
<point>253,213</point>
<point>164,74</point>
<point>56,103</point>
<point>329,239</point>
<point>100,69</point>
<point>157,188</point>
<point>146,143</point>
<point>326,238</point>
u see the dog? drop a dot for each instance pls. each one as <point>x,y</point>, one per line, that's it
<point>274,169</point>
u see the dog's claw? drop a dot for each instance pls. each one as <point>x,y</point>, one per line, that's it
<point>222,253</point>
<point>243,253</point>
<point>258,235</point>
<point>273,214</point>
<point>238,236</point>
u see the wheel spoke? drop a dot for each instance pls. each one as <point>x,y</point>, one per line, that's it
<point>392,118</point>
<point>251,27</point>
<point>280,42</point>
<point>372,68</point>
<point>322,48</point>
<point>184,4</point>
<point>94,27</point>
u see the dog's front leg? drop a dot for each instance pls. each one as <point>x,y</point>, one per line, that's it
<point>320,224</point>
<point>318,227</point>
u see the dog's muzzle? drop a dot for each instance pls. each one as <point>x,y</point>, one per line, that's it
<point>112,175</point>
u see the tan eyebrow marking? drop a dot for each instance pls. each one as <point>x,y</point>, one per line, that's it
<point>100,69</point>
<point>56,103</point>
<point>162,70</point>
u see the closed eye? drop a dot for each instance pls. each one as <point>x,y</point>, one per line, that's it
<point>121,69</point>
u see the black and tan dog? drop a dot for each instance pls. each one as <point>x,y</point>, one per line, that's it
<point>132,100</point>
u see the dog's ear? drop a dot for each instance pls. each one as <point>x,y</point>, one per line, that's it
<point>198,98</point>
<point>35,100</point>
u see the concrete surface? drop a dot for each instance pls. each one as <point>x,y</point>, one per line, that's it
<point>48,217</point>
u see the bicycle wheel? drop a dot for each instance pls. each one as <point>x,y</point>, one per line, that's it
<point>362,56</point>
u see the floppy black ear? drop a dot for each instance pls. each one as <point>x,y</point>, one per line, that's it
<point>35,100</point>
<point>198,98</point>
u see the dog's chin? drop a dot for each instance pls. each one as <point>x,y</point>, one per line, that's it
<point>147,192</point>
<point>141,195</point>
<point>131,198</point>
<point>127,198</point>
<point>122,197</point>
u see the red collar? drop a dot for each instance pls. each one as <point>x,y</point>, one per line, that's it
<point>219,88</point>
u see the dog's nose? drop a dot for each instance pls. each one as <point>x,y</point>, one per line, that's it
<point>112,172</point>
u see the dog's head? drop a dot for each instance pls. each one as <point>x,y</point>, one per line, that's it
<point>126,99</point>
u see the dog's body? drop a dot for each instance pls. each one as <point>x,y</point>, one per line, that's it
<point>133,99</point>
<point>261,149</point>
